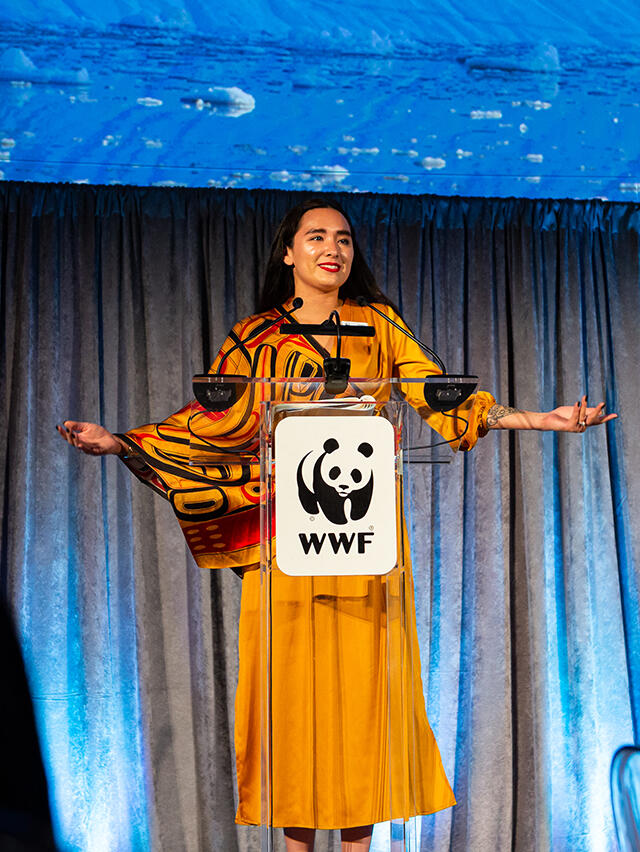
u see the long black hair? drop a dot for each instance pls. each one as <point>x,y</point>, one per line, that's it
<point>278,284</point>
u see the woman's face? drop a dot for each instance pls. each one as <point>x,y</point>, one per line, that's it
<point>322,252</point>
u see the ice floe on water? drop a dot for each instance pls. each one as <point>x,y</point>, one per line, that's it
<point>355,152</point>
<point>397,152</point>
<point>330,174</point>
<point>149,102</point>
<point>251,149</point>
<point>433,163</point>
<point>224,100</point>
<point>534,158</point>
<point>17,67</point>
<point>318,178</point>
<point>232,96</point>
<point>486,113</point>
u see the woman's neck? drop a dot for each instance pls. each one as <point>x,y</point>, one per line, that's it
<point>317,307</point>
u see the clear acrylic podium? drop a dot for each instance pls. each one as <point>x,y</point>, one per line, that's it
<point>339,683</point>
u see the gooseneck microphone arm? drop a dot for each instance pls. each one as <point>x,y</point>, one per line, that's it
<point>366,303</point>
<point>297,303</point>
<point>335,316</point>
<point>211,390</point>
<point>336,370</point>
<point>441,392</point>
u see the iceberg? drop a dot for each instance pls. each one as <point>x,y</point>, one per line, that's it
<point>372,28</point>
<point>542,59</point>
<point>177,18</point>
<point>16,66</point>
<point>67,78</point>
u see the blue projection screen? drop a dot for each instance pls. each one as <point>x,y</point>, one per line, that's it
<point>521,99</point>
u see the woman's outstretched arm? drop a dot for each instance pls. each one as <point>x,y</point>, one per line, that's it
<point>565,418</point>
<point>91,438</point>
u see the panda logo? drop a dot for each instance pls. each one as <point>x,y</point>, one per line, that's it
<point>339,483</point>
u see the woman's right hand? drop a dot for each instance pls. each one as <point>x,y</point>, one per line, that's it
<point>91,438</point>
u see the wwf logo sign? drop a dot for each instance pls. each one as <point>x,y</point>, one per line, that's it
<point>341,482</point>
<point>335,495</point>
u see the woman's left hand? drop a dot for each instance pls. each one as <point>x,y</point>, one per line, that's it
<point>574,418</point>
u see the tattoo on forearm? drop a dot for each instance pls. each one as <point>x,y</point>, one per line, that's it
<point>497,412</point>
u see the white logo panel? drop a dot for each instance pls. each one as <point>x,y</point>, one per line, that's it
<point>335,495</point>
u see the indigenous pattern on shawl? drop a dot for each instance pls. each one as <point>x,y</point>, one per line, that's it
<point>218,505</point>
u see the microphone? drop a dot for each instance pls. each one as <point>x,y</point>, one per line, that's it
<point>441,393</point>
<point>363,302</point>
<point>211,390</point>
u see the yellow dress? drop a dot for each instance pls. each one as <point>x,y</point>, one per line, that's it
<point>350,741</point>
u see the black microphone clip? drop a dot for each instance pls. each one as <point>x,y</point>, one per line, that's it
<point>215,392</point>
<point>336,370</point>
<point>448,391</point>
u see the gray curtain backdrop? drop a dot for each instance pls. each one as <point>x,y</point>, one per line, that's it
<point>526,550</point>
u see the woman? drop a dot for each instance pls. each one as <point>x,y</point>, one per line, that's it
<point>337,782</point>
